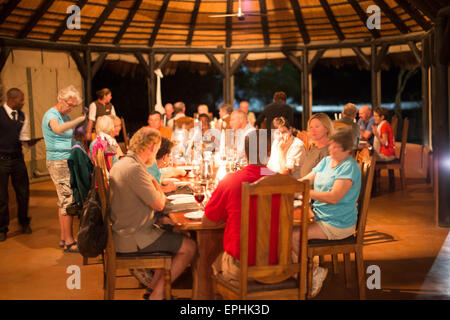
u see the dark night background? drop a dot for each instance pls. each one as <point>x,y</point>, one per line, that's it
<point>331,86</point>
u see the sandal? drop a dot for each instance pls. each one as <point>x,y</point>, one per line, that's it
<point>62,244</point>
<point>68,247</point>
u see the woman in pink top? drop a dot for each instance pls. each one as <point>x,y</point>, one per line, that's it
<point>383,138</point>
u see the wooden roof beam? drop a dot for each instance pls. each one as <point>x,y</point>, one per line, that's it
<point>45,5</point>
<point>423,6</point>
<point>332,19</point>
<point>238,62</point>
<point>416,52</point>
<point>363,57</point>
<point>300,21</point>
<point>143,63</point>
<point>392,16</point>
<point>215,63</point>
<point>164,61</point>
<point>295,61</point>
<point>7,9</point>
<point>99,22</point>
<point>380,56</point>
<point>363,16</point>
<point>4,54</point>
<point>415,14</point>
<point>79,62</point>
<point>159,19</point>
<point>193,22</point>
<point>126,24</point>
<point>229,24</point>
<point>98,63</point>
<point>264,21</point>
<point>63,26</point>
<point>315,59</point>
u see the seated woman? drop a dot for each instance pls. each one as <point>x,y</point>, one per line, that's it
<point>383,142</point>
<point>162,161</point>
<point>288,152</point>
<point>320,128</point>
<point>104,128</point>
<point>337,182</point>
<point>117,129</point>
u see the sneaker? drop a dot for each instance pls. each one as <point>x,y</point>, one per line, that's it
<point>144,276</point>
<point>319,276</point>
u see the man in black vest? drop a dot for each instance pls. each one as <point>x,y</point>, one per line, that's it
<point>14,131</point>
<point>100,107</point>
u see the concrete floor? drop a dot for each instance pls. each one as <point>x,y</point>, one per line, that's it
<point>402,238</point>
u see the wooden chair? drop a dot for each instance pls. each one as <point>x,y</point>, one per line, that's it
<point>337,125</point>
<point>303,135</point>
<point>398,163</point>
<point>125,136</point>
<point>187,122</point>
<point>394,126</point>
<point>354,243</point>
<point>272,281</point>
<point>115,261</point>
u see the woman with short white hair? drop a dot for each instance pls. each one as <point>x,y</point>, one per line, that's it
<point>57,129</point>
<point>104,127</point>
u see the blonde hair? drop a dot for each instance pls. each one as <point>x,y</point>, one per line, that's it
<point>104,124</point>
<point>143,138</point>
<point>69,92</point>
<point>115,118</point>
<point>325,120</point>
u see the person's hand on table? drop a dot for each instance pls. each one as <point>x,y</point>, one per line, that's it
<point>166,220</point>
<point>168,187</point>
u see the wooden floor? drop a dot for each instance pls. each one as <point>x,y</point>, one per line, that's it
<point>402,238</point>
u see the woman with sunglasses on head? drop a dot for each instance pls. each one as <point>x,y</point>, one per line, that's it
<point>57,129</point>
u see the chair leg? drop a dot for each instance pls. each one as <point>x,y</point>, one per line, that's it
<point>310,275</point>
<point>167,284</point>
<point>85,261</point>
<point>321,260</point>
<point>403,178</point>
<point>391,180</point>
<point>360,270</point>
<point>110,284</point>
<point>335,260</point>
<point>347,268</point>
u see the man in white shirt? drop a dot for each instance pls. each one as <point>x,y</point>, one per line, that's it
<point>240,127</point>
<point>14,132</point>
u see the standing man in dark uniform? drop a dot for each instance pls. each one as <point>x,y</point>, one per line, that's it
<point>278,108</point>
<point>14,131</point>
<point>100,107</point>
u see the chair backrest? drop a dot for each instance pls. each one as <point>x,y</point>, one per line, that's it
<point>394,126</point>
<point>404,141</point>
<point>102,183</point>
<point>266,187</point>
<point>367,164</point>
<point>125,136</point>
<point>341,125</point>
<point>303,135</point>
<point>188,123</point>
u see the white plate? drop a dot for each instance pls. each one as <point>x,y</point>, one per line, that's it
<point>180,196</point>
<point>186,167</point>
<point>298,203</point>
<point>166,180</point>
<point>196,215</point>
<point>181,183</point>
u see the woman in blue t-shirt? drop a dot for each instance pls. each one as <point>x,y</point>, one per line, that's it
<point>57,129</point>
<point>162,161</point>
<point>337,182</point>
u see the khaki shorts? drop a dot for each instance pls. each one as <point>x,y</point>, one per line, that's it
<point>228,267</point>
<point>334,233</point>
<point>60,174</point>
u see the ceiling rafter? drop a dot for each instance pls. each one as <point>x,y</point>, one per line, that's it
<point>414,13</point>
<point>300,21</point>
<point>229,24</point>
<point>363,17</point>
<point>7,9</point>
<point>159,19</point>
<point>332,19</point>
<point>193,22</point>
<point>395,19</point>
<point>264,21</point>
<point>99,22</point>
<point>63,26</point>
<point>126,24</point>
<point>45,5</point>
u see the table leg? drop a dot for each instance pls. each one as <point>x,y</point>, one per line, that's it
<point>209,246</point>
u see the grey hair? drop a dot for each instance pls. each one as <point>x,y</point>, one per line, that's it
<point>104,124</point>
<point>69,92</point>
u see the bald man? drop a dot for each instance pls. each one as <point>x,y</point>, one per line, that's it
<point>14,132</point>
<point>241,127</point>
<point>251,118</point>
<point>365,123</point>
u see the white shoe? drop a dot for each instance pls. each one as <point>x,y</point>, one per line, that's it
<point>319,276</point>
<point>144,276</point>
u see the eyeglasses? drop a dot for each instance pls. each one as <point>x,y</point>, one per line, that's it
<point>70,104</point>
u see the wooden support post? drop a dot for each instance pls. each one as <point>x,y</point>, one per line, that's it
<point>4,54</point>
<point>426,79</point>
<point>306,90</point>
<point>151,83</point>
<point>375,78</point>
<point>88,76</point>
<point>227,98</point>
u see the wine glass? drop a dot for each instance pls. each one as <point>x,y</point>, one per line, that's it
<point>199,194</point>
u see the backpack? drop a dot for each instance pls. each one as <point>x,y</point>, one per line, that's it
<point>93,232</point>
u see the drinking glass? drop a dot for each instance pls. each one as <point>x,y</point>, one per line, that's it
<point>199,194</point>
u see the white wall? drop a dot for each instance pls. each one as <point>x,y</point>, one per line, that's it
<point>48,73</point>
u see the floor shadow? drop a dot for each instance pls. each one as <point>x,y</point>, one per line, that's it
<point>372,237</point>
